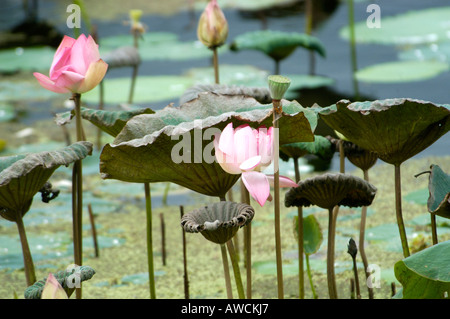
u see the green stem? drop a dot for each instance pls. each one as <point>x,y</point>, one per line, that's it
<point>308,30</point>
<point>148,209</point>
<point>226,271</point>
<point>236,270</point>
<point>341,157</point>
<point>308,269</point>
<point>276,186</point>
<point>398,211</point>
<point>216,65</point>
<point>277,67</point>
<point>30,274</point>
<point>301,276</point>
<point>351,18</point>
<point>77,193</point>
<point>186,280</point>
<point>433,229</point>
<point>355,272</point>
<point>362,230</point>
<point>332,216</point>
<point>245,198</point>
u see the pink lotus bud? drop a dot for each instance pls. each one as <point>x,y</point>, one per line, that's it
<point>52,289</point>
<point>212,28</point>
<point>76,67</point>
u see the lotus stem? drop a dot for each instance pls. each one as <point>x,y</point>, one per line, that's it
<point>353,250</point>
<point>276,185</point>
<point>433,229</point>
<point>94,230</point>
<point>100,107</point>
<point>277,67</point>
<point>77,193</point>
<point>398,209</point>
<point>236,270</point>
<point>332,217</point>
<point>133,83</point>
<point>163,238</point>
<point>341,157</point>
<point>309,8</point>
<point>362,230</point>
<point>148,209</point>
<point>301,279</point>
<point>216,65</point>
<point>245,198</point>
<point>308,269</point>
<point>351,18</point>
<point>30,274</point>
<point>186,280</point>
<point>226,271</point>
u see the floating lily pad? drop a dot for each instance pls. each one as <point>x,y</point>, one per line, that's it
<point>276,44</point>
<point>7,112</point>
<point>413,27</point>
<point>21,90</point>
<point>149,147</point>
<point>426,274</point>
<point>147,89</point>
<point>395,129</point>
<point>401,71</point>
<point>434,51</point>
<point>26,59</point>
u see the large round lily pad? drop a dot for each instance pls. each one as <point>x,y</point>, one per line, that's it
<point>26,59</point>
<point>401,71</point>
<point>395,129</point>
<point>176,143</point>
<point>410,28</point>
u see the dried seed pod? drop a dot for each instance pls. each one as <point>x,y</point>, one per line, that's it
<point>218,222</point>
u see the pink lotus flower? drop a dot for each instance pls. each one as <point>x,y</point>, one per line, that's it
<point>76,67</point>
<point>212,29</point>
<point>248,151</point>
<point>53,289</point>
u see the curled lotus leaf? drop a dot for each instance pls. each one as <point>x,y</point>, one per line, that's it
<point>110,122</point>
<point>122,57</point>
<point>395,129</point>
<point>358,156</point>
<point>176,143</point>
<point>329,190</point>
<point>22,176</point>
<point>321,147</point>
<point>276,44</point>
<point>439,190</point>
<point>66,278</point>
<point>218,222</point>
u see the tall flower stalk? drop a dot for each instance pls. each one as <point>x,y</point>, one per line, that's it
<point>278,86</point>
<point>212,31</point>
<point>76,68</point>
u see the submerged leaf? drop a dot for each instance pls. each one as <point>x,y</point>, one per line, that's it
<point>21,177</point>
<point>425,274</point>
<point>176,143</point>
<point>218,222</point>
<point>395,129</point>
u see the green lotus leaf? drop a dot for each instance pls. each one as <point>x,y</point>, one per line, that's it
<point>66,279</point>
<point>312,234</point>
<point>401,71</point>
<point>110,122</point>
<point>276,44</point>
<point>434,51</point>
<point>439,189</point>
<point>321,147</point>
<point>218,222</point>
<point>7,112</point>
<point>175,144</point>
<point>23,90</point>
<point>395,129</point>
<point>425,274</point>
<point>22,176</point>
<point>410,28</point>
